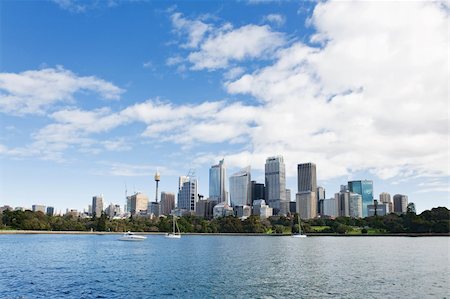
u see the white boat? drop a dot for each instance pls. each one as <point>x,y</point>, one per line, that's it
<point>173,234</point>
<point>299,235</point>
<point>129,236</point>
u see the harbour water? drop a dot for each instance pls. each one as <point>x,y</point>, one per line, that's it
<point>99,266</point>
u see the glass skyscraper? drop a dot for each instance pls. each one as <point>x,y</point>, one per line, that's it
<point>275,174</point>
<point>217,187</point>
<point>365,189</point>
<point>240,188</point>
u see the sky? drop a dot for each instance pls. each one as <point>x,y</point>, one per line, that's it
<point>95,96</point>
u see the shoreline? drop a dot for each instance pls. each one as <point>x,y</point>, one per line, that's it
<point>40,232</point>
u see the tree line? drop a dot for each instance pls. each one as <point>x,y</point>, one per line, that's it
<point>436,220</point>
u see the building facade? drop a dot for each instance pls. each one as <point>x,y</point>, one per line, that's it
<point>240,188</point>
<point>188,195</point>
<point>138,203</point>
<point>355,205</point>
<point>217,182</point>
<point>400,203</point>
<point>257,191</point>
<point>275,185</point>
<point>167,202</point>
<point>365,189</point>
<point>307,202</point>
<point>97,205</point>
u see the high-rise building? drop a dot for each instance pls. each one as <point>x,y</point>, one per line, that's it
<point>38,208</point>
<point>365,189</point>
<point>307,190</point>
<point>217,183</point>
<point>258,191</point>
<point>240,188</point>
<point>50,211</point>
<point>400,203</point>
<point>188,195</point>
<point>329,207</point>
<point>97,205</point>
<point>138,203</point>
<point>167,202</point>
<point>386,198</point>
<point>306,205</point>
<point>275,177</point>
<point>342,203</point>
<point>320,199</point>
<point>355,205</point>
<point>182,179</point>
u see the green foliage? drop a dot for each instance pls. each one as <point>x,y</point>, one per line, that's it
<point>436,220</point>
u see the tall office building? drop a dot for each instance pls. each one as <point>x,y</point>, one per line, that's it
<point>240,188</point>
<point>181,180</point>
<point>386,199</point>
<point>167,202</point>
<point>306,197</point>
<point>288,195</point>
<point>188,195</point>
<point>365,189</point>
<point>97,205</point>
<point>400,203</point>
<point>217,183</point>
<point>320,199</point>
<point>138,203</point>
<point>257,191</point>
<point>355,205</point>
<point>342,203</point>
<point>329,207</point>
<point>275,177</point>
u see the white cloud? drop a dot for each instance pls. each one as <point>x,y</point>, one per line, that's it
<point>275,19</point>
<point>195,29</point>
<point>35,91</point>
<point>217,46</point>
<point>246,42</point>
<point>373,97</point>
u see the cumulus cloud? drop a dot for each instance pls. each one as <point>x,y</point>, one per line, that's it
<point>195,29</point>
<point>372,96</point>
<point>36,90</point>
<point>216,47</point>
<point>369,92</point>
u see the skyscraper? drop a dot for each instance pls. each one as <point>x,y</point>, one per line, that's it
<point>97,205</point>
<point>217,181</point>
<point>188,195</point>
<point>240,188</point>
<point>365,189</point>
<point>275,177</point>
<point>355,205</point>
<point>307,202</point>
<point>167,202</point>
<point>386,199</point>
<point>138,203</point>
<point>400,203</point>
<point>258,191</point>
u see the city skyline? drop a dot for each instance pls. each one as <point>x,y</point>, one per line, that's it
<point>90,105</point>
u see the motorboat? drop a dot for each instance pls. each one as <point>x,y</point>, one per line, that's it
<point>129,236</point>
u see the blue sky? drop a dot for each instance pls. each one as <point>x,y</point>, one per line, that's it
<point>95,95</point>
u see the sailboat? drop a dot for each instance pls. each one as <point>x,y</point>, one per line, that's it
<point>173,234</point>
<point>299,235</point>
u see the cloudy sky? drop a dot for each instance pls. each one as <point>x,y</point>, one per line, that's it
<point>95,95</point>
